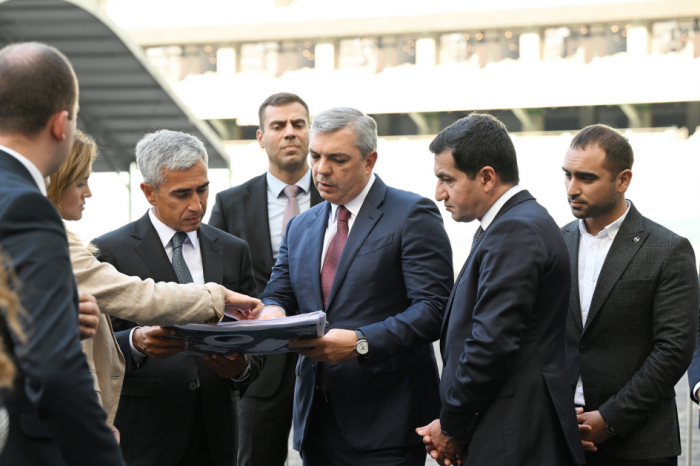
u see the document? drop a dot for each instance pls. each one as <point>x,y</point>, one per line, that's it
<point>269,336</point>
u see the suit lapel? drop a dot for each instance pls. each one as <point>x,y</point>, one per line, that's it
<point>518,198</point>
<point>258,223</point>
<point>368,216</point>
<point>315,234</point>
<point>629,239</point>
<point>151,251</point>
<point>572,237</point>
<point>212,255</point>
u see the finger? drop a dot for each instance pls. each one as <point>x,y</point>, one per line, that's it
<point>86,297</point>
<point>159,332</point>
<point>434,454</point>
<point>579,410</point>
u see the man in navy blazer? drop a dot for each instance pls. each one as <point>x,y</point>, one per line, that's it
<point>378,261</point>
<point>506,399</point>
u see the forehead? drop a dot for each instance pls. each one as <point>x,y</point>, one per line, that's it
<point>341,141</point>
<point>291,111</point>
<point>445,162</point>
<point>195,175</point>
<point>592,158</point>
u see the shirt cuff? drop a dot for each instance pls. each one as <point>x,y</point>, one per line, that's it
<point>136,354</point>
<point>695,390</point>
<point>245,374</point>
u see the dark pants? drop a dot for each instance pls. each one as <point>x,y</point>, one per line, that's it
<point>197,452</point>
<point>264,424</point>
<point>601,459</point>
<point>324,445</point>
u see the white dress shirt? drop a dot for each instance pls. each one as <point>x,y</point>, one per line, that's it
<point>592,251</point>
<point>277,203</point>
<point>191,253</point>
<point>354,207</point>
<point>36,174</point>
<point>490,214</point>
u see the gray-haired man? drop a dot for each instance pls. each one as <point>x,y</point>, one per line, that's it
<point>379,262</point>
<point>179,410</point>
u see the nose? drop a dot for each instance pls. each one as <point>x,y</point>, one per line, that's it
<point>88,192</point>
<point>322,166</point>
<point>289,131</point>
<point>573,188</point>
<point>440,194</point>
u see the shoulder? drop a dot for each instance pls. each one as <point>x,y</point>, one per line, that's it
<point>660,233</point>
<point>225,239</point>
<point>22,204</point>
<point>117,236</point>
<point>404,202</point>
<point>236,192</point>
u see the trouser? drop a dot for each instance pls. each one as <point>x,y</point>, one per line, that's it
<point>601,459</point>
<point>324,445</point>
<point>197,452</point>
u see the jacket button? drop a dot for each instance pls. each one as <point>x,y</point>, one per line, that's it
<point>327,324</point>
<point>582,349</point>
<point>193,385</point>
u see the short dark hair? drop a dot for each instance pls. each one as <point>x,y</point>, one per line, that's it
<point>278,100</point>
<point>36,81</point>
<point>477,141</point>
<point>618,151</point>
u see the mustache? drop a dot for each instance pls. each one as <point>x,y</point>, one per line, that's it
<point>576,199</point>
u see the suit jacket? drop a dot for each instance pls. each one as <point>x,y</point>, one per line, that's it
<point>131,298</point>
<point>694,369</point>
<point>639,336</point>
<point>158,398</point>
<point>504,388</point>
<point>242,211</point>
<point>55,418</point>
<point>392,283</point>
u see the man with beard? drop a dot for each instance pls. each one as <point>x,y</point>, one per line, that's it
<point>633,309</point>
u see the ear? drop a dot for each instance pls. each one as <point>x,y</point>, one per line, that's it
<point>488,178</point>
<point>623,181</point>
<point>370,160</point>
<point>57,124</point>
<point>259,136</point>
<point>149,192</point>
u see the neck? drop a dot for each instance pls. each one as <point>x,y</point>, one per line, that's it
<point>289,176</point>
<point>33,151</point>
<point>595,225</point>
<point>494,196</point>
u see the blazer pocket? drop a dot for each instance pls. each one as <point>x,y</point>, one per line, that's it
<point>138,386</point>
<point>416,359</point>
<point>33,427</point>
<point>377,244</point>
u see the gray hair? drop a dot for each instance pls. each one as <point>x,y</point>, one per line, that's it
<point>338,118</point>
<point>167,149</point>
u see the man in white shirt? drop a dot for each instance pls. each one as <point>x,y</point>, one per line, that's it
<point>55,417</point>
<point>633,309</point>
<point>257,211</point>
<point>177,409</point>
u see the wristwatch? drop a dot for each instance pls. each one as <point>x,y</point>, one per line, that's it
<point>610,430</point>
<point>361,346</point>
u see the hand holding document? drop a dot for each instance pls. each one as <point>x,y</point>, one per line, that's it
<point>251,336</point>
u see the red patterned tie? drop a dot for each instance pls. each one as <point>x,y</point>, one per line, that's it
<point>335,249</point>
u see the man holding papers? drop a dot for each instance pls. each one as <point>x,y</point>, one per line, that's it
<point>180,410</point>
<point>379,262</point>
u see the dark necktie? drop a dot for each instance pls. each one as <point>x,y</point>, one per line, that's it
<point>179,264</point>
<point>477,239</point>
<point>335,249</point>
<point>330,264</point>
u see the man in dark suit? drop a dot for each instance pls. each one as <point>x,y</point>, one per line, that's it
<point>378,261</point>
<point>55,418</point>
<point>257,212</point>
<point>633,311</point>
<point>505,396</point>
<point>177,410</point>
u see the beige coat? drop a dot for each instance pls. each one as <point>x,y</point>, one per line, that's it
<point>142,301</point>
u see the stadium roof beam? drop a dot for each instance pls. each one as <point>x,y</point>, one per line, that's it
<point>121,96</point>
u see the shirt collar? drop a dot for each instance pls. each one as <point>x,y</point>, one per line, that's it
<point>610,230</point>
<point>165,233</point>
<point>276,186</point>
<point>36,174</point>
<point>490,214</point>
<point>355,205</point>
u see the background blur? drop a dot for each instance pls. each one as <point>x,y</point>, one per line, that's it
<point>546,68</point>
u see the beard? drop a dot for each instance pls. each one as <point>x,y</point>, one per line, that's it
<point>594,210</point>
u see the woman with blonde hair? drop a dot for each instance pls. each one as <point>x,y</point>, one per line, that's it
<point>129,298</point>
<point>9,309</point>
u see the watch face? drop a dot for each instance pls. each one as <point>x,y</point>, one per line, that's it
<point>362,347</point>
